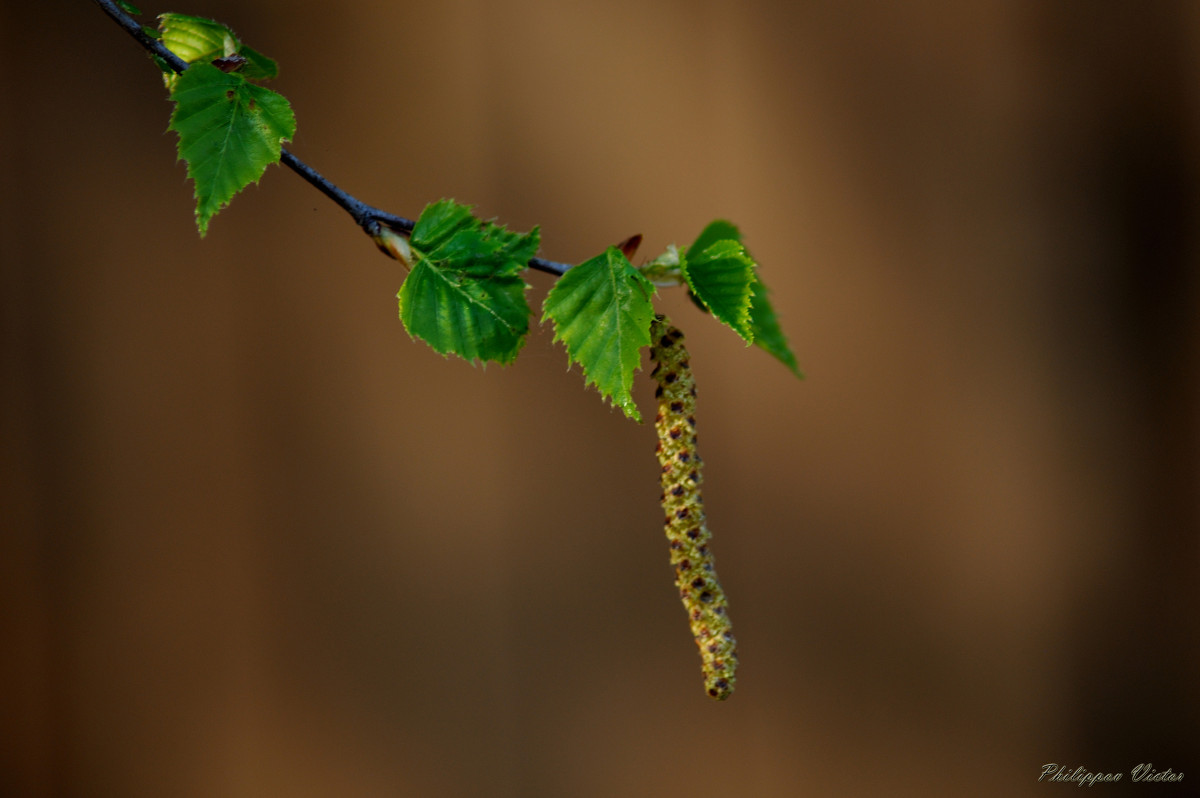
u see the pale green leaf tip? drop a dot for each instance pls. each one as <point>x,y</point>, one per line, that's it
<point>793,367</point>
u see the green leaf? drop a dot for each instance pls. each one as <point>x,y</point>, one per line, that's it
<point>767,333</point>
<point>196,38</point>
<point>259,66</point>
<point>129,8</point>
<point>474,318</point>
<point>721,276</point>
<point>464,294</point>
<point>763,323</point>
<point>439,222</point>
<point>602,312</point>
<point>229,132</point>
<point>449,231</point>
<point>719,230</point>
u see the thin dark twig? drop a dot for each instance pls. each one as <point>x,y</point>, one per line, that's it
<point>363,213</point>
<point>147,41</point>
<point>368,217</point>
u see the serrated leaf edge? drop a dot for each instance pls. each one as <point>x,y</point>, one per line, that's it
<point>440,273</point>
<point>742,317</point>
<point>625,403</point>
<point>274,146</point>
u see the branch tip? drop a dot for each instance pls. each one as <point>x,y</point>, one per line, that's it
<point>365,216</point>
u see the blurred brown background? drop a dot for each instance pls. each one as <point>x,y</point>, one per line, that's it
<point>257,542</point>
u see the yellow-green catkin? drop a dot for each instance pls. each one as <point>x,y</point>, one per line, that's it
<point>687,532</point>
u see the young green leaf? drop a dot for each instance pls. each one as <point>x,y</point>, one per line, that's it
<point>602,312</point>
<point>129,8</point>
<point>196,38</point>
<point>447,230</point>
<point>718,230</point>
<point>229,130</point>
<point>464,294</point>
<point>439,221</point>
<point>763,324</point>
<point>472,317</point>
<point>767,333</point>
<point>721,276</point>
<point>259,66</point>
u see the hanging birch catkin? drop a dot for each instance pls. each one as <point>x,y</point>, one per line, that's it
<point>687,532</point>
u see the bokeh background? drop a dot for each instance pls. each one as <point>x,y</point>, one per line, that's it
<point>256,541</point>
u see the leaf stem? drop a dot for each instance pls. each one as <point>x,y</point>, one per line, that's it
<point>368,217</point>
